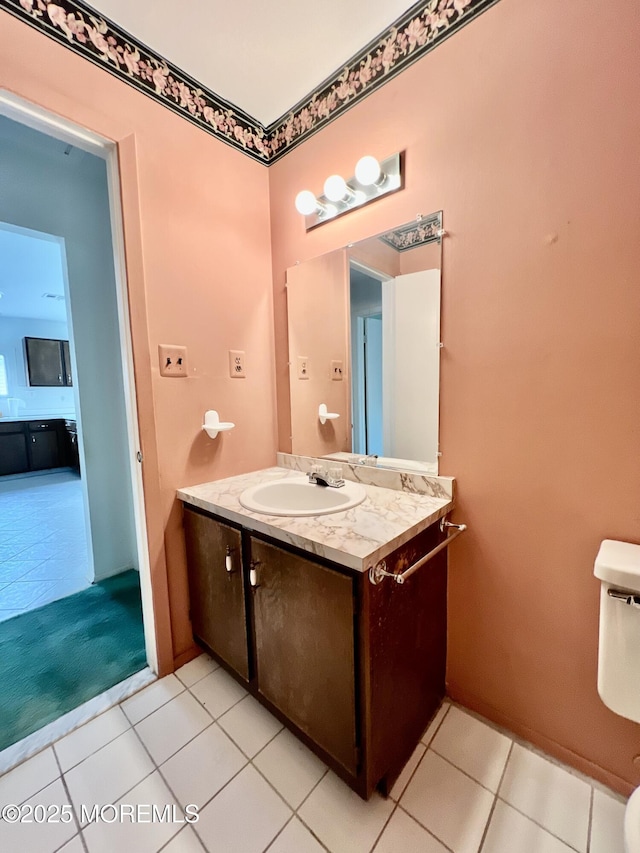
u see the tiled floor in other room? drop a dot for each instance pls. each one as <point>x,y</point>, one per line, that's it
<point>196,737</point>
<point>43,545</point>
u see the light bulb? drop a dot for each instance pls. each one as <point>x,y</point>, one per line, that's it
<point>367,171</point>
<point>359,197</point>
<point>335,188</point>
<point>306,203</point>
<point>329,211</point>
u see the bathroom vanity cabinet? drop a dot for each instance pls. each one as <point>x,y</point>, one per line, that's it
<point>356,670</point>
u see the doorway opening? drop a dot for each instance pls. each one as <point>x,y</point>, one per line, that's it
<point>69,416</point>
<point>365,299</point>
<point>44,537</point>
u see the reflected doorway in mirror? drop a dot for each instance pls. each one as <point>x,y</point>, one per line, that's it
<point>388,337</point>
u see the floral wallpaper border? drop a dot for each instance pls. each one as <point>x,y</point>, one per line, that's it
<point>416,233</point>
<point>88,33</point>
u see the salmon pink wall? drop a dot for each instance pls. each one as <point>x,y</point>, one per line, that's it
<point>317,303</point>
<point>524,128</point>
<point>198,276</point>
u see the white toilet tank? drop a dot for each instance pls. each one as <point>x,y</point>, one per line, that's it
<point>618,567</point>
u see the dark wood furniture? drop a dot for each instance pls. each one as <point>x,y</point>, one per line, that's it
<point>14,456</point>
<point>71,445</point>
<point>355,670</point>
<point>48,362</point>
<point>32,445</point>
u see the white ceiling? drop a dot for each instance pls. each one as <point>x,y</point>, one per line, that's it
<point>263,57</point>
<point>30,266</point>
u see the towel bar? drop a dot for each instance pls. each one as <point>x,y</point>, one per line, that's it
<point>379,572</point>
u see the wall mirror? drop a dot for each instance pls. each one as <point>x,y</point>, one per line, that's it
<point>364,349</point>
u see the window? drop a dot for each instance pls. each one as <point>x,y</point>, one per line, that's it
<point>4,389</point>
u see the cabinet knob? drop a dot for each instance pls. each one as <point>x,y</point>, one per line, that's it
<point>60,378</point>
<point>228,561</point>
<point>253,576</point>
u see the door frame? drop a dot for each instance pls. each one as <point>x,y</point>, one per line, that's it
<point>17,109</point>
<point>358,414</point>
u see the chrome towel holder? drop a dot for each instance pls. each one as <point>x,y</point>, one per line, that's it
<point>379,572</point>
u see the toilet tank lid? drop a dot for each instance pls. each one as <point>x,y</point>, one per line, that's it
<point>619,563</point>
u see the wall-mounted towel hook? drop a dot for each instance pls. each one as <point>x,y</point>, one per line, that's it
<point>324,415</point>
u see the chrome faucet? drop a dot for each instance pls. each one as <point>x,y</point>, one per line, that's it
<point>331,477</point>
<point>370,459</point>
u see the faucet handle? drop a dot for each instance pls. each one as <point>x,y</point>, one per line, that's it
<point>334,475</point>
<point>316,470</point>
<point>334,472</point>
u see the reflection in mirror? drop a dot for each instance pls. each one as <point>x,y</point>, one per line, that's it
<point>364,333</point>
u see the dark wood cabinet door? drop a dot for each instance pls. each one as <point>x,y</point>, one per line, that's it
<point>44,361</point>
<point>66,358</point>
<point>13,450</point>
<point>305,649</point>
<point>217,600</point>
<point>44,449</point>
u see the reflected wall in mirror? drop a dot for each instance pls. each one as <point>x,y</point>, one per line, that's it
<point>364,339</point>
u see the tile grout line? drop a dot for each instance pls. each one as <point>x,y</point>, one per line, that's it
<point>439,726</point>
<point>464,772</point>
<point>426,749</point>
<point>246,692</point>
<point>202,807</point>
<point>173,837</point>
<point>485,830</point>
<point>590,823</point>
<point>385,825</point>
<point>271,785</point>
<point>73,807</point>
<point>302,820</point>
<point>426,829</point>
<point>504,770</point>
<point>156,769</point>
<point>235,743</point>
<point>495,800</point>
<point>539,825</point>
<point>40,790</point>
<point>279,833</point>
<point>146,716</point>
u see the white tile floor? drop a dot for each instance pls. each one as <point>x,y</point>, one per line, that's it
<point>43,545</point>
<point>196,737</point>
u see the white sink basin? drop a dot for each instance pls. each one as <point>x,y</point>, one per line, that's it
<point>297,497</point>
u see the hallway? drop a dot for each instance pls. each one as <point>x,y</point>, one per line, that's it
<point>43,546</point>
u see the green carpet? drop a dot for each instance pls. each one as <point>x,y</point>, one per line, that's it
<point>56,657</point>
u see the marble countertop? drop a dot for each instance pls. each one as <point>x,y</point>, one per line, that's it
<point>356,538</point>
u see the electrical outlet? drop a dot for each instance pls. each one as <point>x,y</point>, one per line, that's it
<point>336,371</point>
<point>173,360</point>
<point>236,364</point>
<point>303,367</point>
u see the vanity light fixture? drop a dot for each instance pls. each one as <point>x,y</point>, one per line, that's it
<point>368,172</point>
<point>372,180</point>
<point>337,189</point>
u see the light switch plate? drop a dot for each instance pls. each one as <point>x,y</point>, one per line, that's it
<point>173,360</point>
<point>303,367</point>
<point>236,364</point>
<point>336,371</point>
